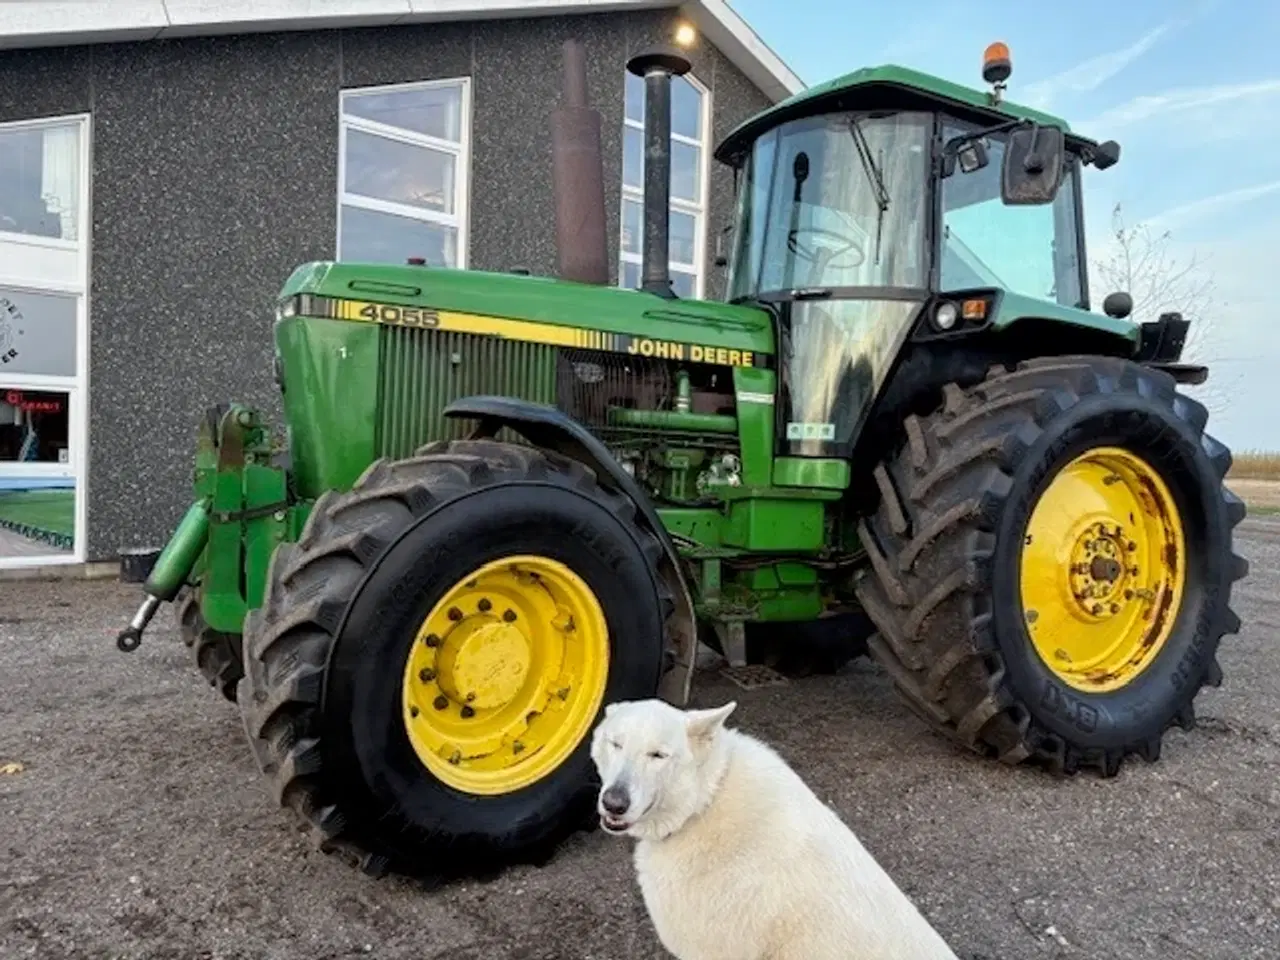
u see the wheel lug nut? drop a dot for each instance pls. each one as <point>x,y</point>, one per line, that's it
<point>484,604</point>
<point>467,712</point>
<point>1097,609</point>
<point>431,640</point>
<point>1131,546</point>
<point>1115,608</point>
<point>440,702</point>
<point>509,616</point>
<point>1128,594</point>
<point>413,711</point>
<point>456,758</point>
<point>455,614</point>
<point>517,747</point>
<point>471,698</point>
<point>426,674</point>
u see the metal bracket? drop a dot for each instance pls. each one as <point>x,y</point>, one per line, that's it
<point>226,516</point>
<point>733,641</point>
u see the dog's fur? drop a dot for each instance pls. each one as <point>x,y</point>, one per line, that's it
<point>737,858</point>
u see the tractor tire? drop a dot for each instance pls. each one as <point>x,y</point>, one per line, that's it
<point>217,655</point>
<point>966,628</point>
<point>391,633</point>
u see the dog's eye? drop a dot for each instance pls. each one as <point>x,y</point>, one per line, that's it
<point>658,755</point>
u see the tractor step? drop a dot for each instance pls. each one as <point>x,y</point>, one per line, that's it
<point>753,676</point>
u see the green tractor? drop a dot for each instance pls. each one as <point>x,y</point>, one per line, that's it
<point>504,501</point>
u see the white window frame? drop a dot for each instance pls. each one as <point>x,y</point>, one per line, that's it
<point>460,219</point>
<point>696,209</point>
<point>67,273</point>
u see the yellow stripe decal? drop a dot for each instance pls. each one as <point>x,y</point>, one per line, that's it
<point>529,331</point>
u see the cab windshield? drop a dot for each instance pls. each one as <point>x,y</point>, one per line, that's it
<point>834,201</point>
<point>1030,250</point>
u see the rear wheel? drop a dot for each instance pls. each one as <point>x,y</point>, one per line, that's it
<point>432,654</point>
<point>1052,562</point>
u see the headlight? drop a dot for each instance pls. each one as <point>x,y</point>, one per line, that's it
<point>944,318</point>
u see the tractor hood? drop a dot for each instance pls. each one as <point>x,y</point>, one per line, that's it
<point>533,309</point>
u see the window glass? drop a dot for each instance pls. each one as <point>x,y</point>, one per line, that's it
<point>37,478</point>
<point>40,181</point>
<point>686,172</point>
<point>37,333</point>
<point>1030,250</point>
<point>377,237</point>
<point>387,169</point>
<point>681,237</point>
<point>836,200</point>
<point>632,226</point>
<point>433,111</point>
<point>403,193</point>
<point>686,105</point>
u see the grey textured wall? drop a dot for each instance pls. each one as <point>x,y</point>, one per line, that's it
<point>215,173</point>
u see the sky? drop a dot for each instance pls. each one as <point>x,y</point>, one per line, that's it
<point>1191,91</point>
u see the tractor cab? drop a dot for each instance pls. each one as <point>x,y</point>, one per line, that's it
<point>888,198</point>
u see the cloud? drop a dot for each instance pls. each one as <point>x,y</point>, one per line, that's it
<point>1176,101</point>
<point>1094,72</point>
<point>1207,206</point>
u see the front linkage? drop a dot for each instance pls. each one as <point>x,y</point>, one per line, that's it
<point>242,510</point>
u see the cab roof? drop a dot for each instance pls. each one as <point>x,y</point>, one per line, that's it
<point>890,87</point>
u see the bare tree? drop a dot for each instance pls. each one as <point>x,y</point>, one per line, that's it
<point>1143,263</point>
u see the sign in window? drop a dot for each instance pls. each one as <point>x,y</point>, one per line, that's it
<point>37,333</point>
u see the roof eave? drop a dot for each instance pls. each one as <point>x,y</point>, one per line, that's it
<point>48,23</point>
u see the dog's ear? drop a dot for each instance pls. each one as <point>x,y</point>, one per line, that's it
<point>705,724</point>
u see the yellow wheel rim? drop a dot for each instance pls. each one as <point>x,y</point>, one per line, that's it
<point>1103,570</point>
<point>506,675</point>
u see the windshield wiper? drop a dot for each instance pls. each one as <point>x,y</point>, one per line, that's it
<point>873,172</point>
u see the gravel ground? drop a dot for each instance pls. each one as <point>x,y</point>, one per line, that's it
<point>138,827</point>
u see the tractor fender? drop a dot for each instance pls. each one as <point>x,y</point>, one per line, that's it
<point>550,429</point>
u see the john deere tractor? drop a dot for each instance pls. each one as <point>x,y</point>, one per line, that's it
<point>503,501</point>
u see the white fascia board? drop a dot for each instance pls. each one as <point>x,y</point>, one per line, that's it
<point>726,30</point>
<point>427,10</point>
<point>46,23</point>
<point>202,18</point>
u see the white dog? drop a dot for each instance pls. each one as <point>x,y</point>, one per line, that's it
<point>736,857</point>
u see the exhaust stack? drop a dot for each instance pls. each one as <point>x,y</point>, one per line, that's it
<point>657,66</point>
<point>582,249</point>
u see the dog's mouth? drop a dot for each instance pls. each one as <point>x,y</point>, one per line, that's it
<point>620,825</point>
<point>614,825</point>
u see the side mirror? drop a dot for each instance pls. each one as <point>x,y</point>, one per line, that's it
<point>1107,155</point>
<point>1034,158</point>
<point>1118,305</point>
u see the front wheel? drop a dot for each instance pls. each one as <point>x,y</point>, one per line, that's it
<point>431,656</point>
<point>1051,562</point>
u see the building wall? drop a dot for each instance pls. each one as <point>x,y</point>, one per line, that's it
<point>215,173</point>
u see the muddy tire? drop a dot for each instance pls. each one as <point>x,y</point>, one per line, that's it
<point>217,655</point>
<point>330,668</point>
<point>946,586</point>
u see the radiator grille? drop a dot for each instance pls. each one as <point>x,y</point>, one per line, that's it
<point>425,370</point>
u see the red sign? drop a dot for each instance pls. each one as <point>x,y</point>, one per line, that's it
<point>15,398</point>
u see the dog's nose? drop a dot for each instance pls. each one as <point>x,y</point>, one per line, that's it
<point>615,800</point>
